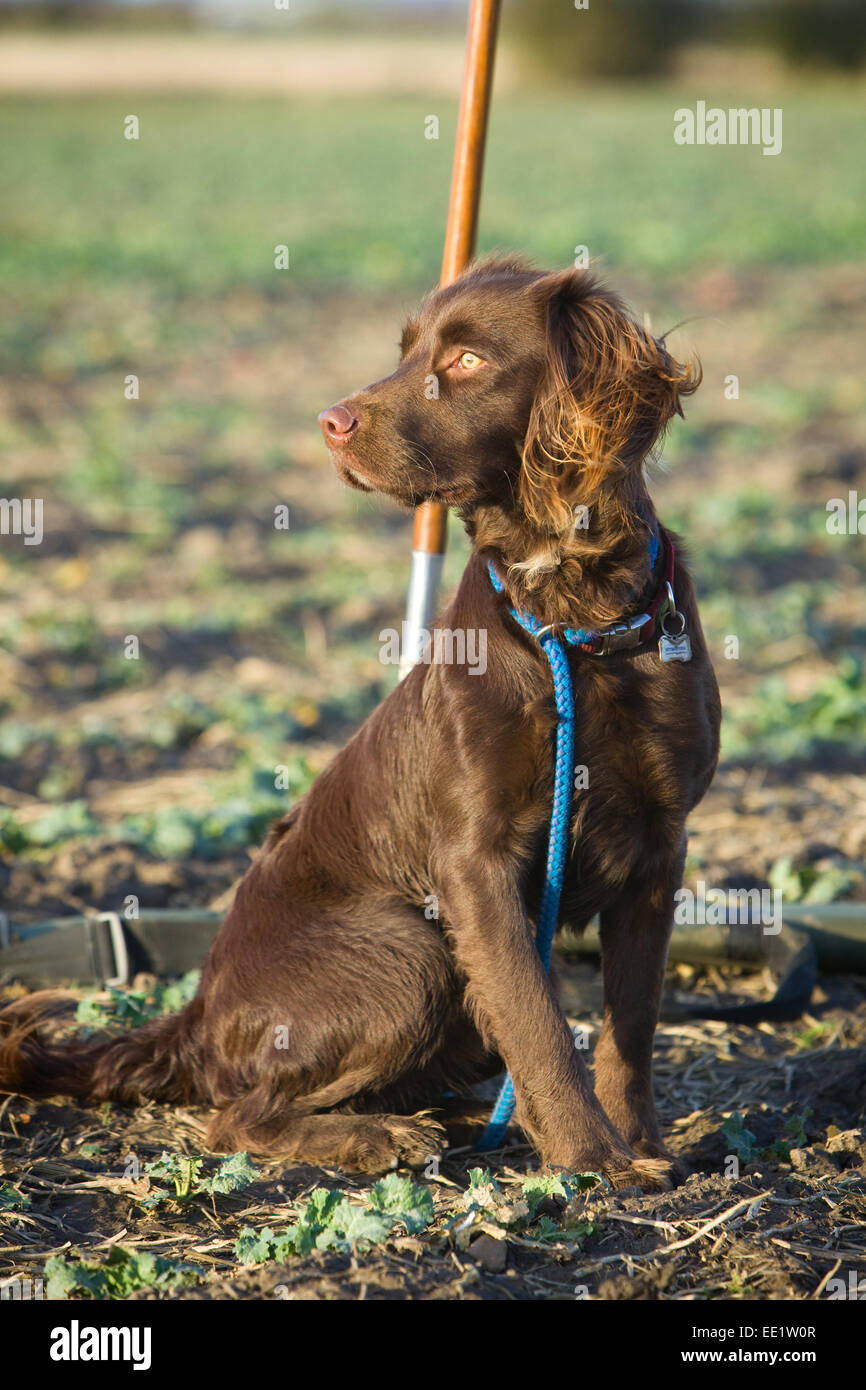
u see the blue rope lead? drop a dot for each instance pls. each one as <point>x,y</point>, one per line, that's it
<point>557,847</point>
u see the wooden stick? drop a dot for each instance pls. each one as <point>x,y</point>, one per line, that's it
<point>431,518</point>
<point>471,136</point>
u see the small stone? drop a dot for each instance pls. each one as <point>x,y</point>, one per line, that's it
<point>816,1161</point>
<point>490,1253</point>
<point>846,1141</point>
<point>848,1148</point>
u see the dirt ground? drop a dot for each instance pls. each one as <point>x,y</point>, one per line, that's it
<point>780,1229</point>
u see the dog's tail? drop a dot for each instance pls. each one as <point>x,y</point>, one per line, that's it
<point>159,1061</point>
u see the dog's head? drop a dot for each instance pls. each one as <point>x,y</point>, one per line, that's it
<point>519,391</point>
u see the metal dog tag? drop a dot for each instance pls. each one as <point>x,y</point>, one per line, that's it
<point>675,648</point>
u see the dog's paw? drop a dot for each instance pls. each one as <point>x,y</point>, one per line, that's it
<point>679,1169</point>
<point>643,1175</point>
<point>414,1139</point>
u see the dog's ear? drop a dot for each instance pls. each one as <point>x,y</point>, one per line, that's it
<point>607,390</point>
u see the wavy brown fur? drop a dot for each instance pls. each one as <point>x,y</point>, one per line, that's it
<point>606,395</point>
<point>157,1061</point>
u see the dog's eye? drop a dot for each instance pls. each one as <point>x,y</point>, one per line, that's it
<point>469,361</point>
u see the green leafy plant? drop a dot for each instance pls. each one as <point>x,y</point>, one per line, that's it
<point>781,726</point>
<point>232,1175</point>
<point>65,821</point>
<point>740,1140</point>
<point>180,1169</point>
<point>540,1185</point>
<point>11,1199</point>
<point>183,1171</point>
<point>795,1137</point>
<point>810,883</point>
<point>329,1221</point>
<point>120,1274</point>
<point>13,835</point>
<point>406,1202</point>
<point>131,1007</point>
<point>486,1207</point>
<point>485,1200</point>
<point>814,1034</point>
<point>738,1288</point>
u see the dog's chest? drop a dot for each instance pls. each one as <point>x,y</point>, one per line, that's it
<point>627,799</point>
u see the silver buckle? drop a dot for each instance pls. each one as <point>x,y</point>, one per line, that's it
<point>118,946</point>
<point>629,630</point>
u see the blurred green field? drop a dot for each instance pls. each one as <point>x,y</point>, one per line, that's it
<point>260,647</point>
<point>358,193</point>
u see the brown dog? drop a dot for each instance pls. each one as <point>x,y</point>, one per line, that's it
<point>330,1007</point>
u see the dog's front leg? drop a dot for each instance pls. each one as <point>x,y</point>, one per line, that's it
<point>517,1011</point>
<point>635,932</point>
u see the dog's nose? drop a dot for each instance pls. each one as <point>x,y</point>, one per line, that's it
<point>337,424</point>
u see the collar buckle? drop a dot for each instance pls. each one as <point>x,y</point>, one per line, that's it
<point>620,637</point>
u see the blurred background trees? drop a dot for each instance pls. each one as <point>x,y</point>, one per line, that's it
<point>629,39</point>
<point>608,39</point>
<point>642,38</point>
